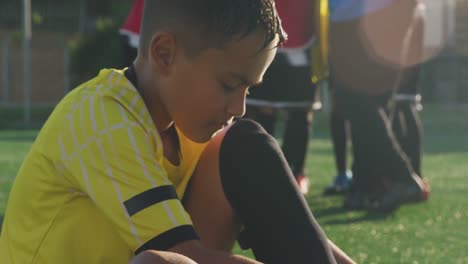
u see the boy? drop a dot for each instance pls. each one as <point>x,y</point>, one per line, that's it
<point>108,176</point>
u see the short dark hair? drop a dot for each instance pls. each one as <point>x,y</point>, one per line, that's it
<point>202,24</point>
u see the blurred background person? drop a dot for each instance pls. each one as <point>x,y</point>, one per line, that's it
<point>130,32</point>
<point>372,48</point>
<point>287,85</point>
<point>339,130</point>
<point>340,133</point>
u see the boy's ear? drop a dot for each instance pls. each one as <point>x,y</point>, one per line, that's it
<point>162,51</point>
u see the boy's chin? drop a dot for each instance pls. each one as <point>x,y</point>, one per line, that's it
<point>202,137</point>
<point>206,134</point>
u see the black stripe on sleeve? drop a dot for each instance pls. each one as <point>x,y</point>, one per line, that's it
<point>150,197</point>
<point>169,239</point>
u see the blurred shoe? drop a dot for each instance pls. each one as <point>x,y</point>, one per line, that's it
<point>354,201</point>
<point>340,185</point>
<point>303,183</point>
<point>358,200</point>
<point>402,192</point>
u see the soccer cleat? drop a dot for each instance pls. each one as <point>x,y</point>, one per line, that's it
<point>303,183</point>
<point>355,201</point>
<point>360,200</point>
<point>402,192</point>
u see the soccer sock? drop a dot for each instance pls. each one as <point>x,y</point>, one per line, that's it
<point>257,181</point>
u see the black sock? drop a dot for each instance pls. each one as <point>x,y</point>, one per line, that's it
<point>259,184</point>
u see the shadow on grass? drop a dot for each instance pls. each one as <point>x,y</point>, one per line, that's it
<point>366,217</point>
<point>369,217</point>
<point>335,210</point>
<point>347,216</point>
<point>1,223</point>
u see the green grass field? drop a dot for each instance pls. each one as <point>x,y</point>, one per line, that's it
<point>432,232</point>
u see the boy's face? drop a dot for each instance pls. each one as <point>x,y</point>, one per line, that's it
<point>204,93</point>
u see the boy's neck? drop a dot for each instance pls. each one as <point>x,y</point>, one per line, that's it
<point>149,91</point>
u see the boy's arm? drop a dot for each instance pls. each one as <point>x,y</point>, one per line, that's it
<point>190,252</point>
<point>118,169</point>
<point>196,252</point>
<point>160,257</point>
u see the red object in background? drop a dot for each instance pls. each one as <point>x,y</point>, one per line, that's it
<point>133,21</point>
<point>297,17</point>
<point>298,21</point>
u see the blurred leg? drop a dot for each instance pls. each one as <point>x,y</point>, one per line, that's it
<point>408,130</point>
<point>296,139</point>
<point>380,168</point>
<point>295,144</point>
<point>265,116</point>
<point>339,135</point>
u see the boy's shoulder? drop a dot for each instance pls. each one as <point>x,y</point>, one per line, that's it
<point>107,80</point>
<point>107,98</point>
<point>107,84</point>
<point>104,103</point>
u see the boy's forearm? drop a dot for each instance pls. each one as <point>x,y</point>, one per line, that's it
<point>206,257</point>
<point>190,252</point>
<point>209,256</point>
<point>160,257</point>
<point>225,258</point>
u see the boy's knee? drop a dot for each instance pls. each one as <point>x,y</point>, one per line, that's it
<point>247,155</point>
<point>245,132</point>
<point>245,126</point>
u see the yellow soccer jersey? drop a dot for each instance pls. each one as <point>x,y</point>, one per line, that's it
<point>95,187</point>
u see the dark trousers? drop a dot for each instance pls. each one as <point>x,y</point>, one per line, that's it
<point>296,139</point>
<point>379,159</point>
<point>340,135</point>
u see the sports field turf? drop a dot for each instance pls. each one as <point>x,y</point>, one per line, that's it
<point>432,232</point>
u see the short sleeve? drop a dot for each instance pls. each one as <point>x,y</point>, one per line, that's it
<point>115,163</point>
